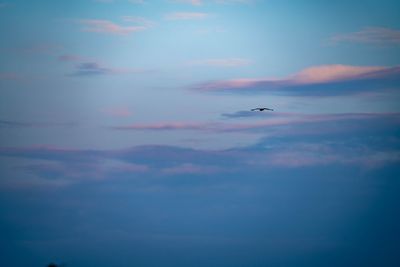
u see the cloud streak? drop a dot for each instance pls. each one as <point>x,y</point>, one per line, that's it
<point>91,68</point>
<point>96,69</point>
<point>319,81</point>
<point>271,121</point>
<point>371,35</point>
<point>108,27</point>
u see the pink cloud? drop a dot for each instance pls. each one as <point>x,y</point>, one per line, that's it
<point>318,75</point>
<point>95,68</point>
<point>331,73</point>
<point>186,15</point>
<point>105,26</point>
<point>375,35</point>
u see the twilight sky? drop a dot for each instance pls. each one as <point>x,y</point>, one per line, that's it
<point>126,136</point>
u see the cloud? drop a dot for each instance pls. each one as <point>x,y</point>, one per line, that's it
<point>95,69</point>
<point>249,114</point>
<point>364,141</point>
<point>332,73</point>
<point>319,81</point>
<point>168,126</point>
<point>186,15</point>
<point>372,35</point>
<point>274,123</point>
<point>228,62</point>
<point>108,27</point>
<point>311,154</point>
<point>91,68</point>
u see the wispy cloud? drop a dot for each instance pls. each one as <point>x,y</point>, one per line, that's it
<point>186,15</point>
<point>373,35</point>
<point>94,69</point>
<point>85,66</point>
<point>317,80</point>
<point>252,114</point>
<point>91,68</point>
<point>163,126</point>
<point>273,121</point>
<point>108,27</point>
<point>228,62</point>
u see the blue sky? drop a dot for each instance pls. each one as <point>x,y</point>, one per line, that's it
<point>126,136</point>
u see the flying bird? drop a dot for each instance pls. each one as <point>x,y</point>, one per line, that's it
<point>262,109</point>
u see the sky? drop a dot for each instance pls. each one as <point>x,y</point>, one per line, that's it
<point>127,136</point>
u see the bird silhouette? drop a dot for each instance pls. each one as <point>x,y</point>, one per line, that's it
<point>262,109</point>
